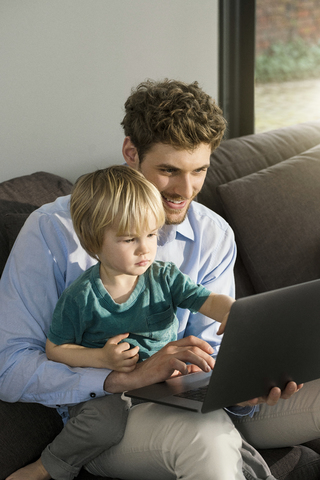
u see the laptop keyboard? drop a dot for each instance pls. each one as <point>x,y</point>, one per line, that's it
<point>196,394</point>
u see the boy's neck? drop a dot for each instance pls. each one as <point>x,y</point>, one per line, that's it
<point>119,287</point>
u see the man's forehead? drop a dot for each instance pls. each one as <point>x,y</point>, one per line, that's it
<point>167,156</point>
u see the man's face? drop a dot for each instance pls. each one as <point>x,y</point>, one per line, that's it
<point>178,175</point>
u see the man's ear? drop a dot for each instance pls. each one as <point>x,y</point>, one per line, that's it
<point>130,153</point>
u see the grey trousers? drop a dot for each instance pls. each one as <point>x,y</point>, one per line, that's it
<point>94,427</point>
<point>164,443</point>
<point>290,422</point>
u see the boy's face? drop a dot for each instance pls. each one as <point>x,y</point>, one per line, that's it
<point>129,254</point>
<point>178,175</point>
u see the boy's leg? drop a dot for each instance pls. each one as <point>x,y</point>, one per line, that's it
<point>94,426</point>
<point>290,422</point>
<point>165,443</point>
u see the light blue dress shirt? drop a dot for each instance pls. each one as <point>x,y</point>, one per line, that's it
<point>47,257</point>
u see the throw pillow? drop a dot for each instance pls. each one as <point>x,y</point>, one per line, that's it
<point>275,215</point>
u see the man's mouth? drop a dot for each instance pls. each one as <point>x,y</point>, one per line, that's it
<point>176,204</point>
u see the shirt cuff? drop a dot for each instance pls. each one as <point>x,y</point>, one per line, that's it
<point>92,383</point>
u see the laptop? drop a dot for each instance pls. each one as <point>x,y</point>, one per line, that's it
<point>270,339</point>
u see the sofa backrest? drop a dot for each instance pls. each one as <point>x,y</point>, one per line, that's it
<point>268,188</point>
<point>19,197</point>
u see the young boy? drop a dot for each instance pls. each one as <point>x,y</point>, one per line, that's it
<point>127,295</point>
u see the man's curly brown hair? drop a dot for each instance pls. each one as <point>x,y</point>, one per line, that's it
<point>174,113</point>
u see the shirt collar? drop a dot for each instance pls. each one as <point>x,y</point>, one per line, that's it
<point>185,229</point>
<point>168,233</point>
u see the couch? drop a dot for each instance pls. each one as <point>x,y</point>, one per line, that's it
<point>267,186</point>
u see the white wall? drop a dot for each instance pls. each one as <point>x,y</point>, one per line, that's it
<point>67,67</point>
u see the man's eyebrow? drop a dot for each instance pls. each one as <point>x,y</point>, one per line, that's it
<point>168,165</point>
<point>206,165</point>
<point>173,167</point>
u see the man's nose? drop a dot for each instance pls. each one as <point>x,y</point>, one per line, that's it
<point>184,187</point>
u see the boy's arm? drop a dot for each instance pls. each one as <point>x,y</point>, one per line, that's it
<point>217,307</point>
<point>114,355</point>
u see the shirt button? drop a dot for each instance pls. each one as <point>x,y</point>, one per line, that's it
<point>92,395</point>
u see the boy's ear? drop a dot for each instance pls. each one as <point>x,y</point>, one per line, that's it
<point>130,153</point>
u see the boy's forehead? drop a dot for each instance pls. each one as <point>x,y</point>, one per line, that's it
<point>137,229</point>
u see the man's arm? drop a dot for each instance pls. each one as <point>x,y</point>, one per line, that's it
<point>35,275</point>
<point>215,272</point>
<point>170,360</point>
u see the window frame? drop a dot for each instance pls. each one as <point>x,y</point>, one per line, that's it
<point>237,20</point>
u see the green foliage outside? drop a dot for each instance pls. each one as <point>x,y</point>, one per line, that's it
<point>296,60</point>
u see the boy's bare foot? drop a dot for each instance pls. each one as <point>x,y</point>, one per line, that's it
<point>34,471</point>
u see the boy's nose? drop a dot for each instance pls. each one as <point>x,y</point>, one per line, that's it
<point>143,248</point>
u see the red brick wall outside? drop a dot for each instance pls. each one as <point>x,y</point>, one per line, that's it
<point>281,21</point>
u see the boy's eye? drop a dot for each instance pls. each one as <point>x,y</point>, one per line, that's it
<point>129,240</point>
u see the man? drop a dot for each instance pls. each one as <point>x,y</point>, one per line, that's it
<point>170,130</point>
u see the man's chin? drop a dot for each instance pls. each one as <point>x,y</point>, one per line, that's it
<point>174,218</point>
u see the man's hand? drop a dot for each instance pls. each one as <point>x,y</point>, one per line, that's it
<point>275,395</point>
<point>170,360</point>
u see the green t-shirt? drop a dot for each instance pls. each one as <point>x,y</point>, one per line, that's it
<point>87,315</point>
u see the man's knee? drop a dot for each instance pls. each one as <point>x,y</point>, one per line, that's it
<point>217,428</point>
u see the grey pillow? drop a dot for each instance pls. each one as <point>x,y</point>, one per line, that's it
<point>19,197</point>
<point>242,156</point>
<point>275,214</point>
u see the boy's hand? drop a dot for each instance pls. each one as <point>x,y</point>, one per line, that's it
<point>119,356</point>
<point>223,324</point>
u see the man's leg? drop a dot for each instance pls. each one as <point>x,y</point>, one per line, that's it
<point>168,443</point>
<point>290,422</point>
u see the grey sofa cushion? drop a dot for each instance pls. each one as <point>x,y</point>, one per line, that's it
<point>13,222</point>
<point>35,189</point>
<point>275,215</point>
<point>19,197</point>
<point>293,463</point>
<point>242,156</point>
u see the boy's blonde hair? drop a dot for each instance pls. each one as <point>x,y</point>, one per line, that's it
<point>116,196</point>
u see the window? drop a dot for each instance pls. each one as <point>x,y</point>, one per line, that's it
<point>269,70</point>
<point>287,63</point>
